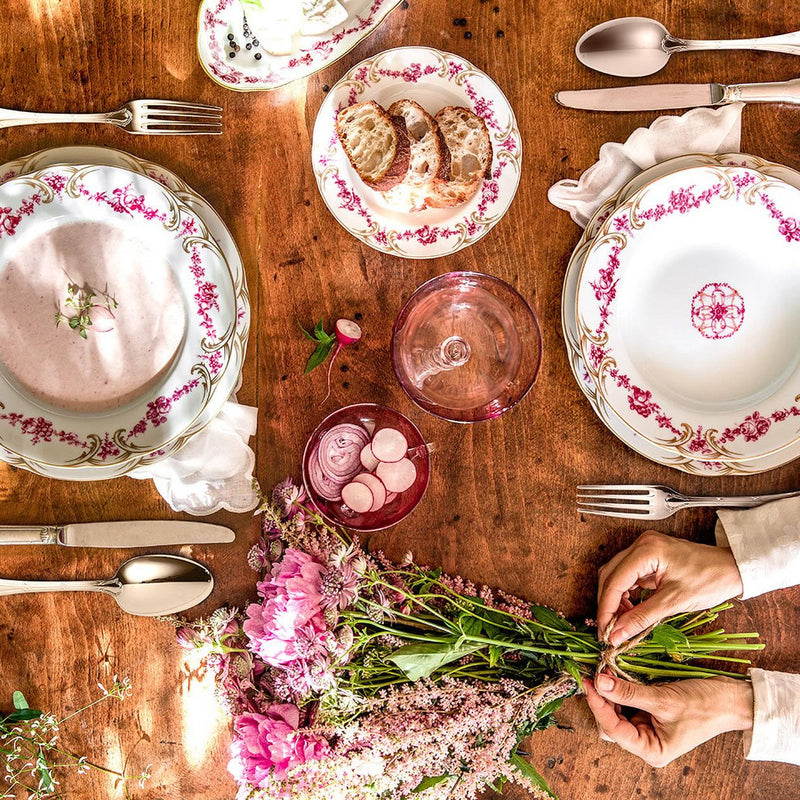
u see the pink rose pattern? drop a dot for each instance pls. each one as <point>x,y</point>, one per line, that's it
<point>717,312</point>
<point>122,200</point>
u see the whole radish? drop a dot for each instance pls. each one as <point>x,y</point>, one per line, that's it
<point>346,332</point>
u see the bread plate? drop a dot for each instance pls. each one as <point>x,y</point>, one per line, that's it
<point>245,72</point>
<point>434,79</point>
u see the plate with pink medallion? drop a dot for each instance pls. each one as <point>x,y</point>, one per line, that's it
<point>389,221</point>
<point>120,315</point>
<point>688,313</point>
<point>256,45</point>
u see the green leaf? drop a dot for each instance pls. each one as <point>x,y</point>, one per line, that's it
<point>670,638</point>
<point>23,714</point>
<point>471,626</point>
<point>19,701</point>
<point>549,617</point>
<point>430,781</point>
<point>528,771</point>
<point>422,660</point>
<point>495,654</point>
<point>574,670</point>
<point>307,334</point>
<point>318,356</point>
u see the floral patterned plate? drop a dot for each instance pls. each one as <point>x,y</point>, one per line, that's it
<point>434,79</point>
<point>681,366</point>
<point>684,462</point>
<point>187,393</point>
<point>75,156</point>
<point>257,70</point>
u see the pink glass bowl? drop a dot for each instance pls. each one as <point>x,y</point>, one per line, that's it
<point>372,417</point>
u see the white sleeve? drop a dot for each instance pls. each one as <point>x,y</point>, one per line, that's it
<point>766,544</point>
<point>776,718</point>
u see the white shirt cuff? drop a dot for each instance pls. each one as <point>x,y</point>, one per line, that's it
<point>776,718</point>
<point>766,544</point>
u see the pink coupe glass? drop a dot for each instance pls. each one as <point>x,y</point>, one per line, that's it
<point>466,347</point>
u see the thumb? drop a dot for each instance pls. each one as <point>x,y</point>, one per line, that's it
<point>640,618</point>
<point>625,693</point>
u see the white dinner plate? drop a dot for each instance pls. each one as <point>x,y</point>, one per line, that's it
<point>682,459</point>
<point>434,79</point>
<point>688,312</point>
<point>236,346</point>
<point>218,19</point>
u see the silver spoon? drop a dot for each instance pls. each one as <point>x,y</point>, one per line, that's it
<point>148,586</point>
<point>633,47</point>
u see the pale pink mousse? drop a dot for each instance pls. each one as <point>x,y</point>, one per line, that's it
<point>105,370</point>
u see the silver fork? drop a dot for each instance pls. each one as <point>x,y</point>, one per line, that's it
<point>656,502</point>
<point>157,117</point>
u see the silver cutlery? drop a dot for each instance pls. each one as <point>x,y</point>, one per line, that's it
<point>157,117</point>
<point>633,47</point>
<point>148,586</point>
<point>656,97</point>
<point>657,502</point>
<point>143,533</point>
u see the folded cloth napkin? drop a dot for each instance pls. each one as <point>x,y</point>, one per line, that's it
<point>701,130</point>
<point>214,469</point>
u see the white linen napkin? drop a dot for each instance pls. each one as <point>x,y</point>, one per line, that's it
<point>214,469</point>
<point>701,130</point>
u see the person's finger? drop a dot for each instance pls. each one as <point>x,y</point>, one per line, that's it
<point>613,727</point>
<point>636,564</point>
<point>625,693</point>
<point>640,617</point>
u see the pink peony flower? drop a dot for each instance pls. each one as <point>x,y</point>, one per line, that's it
<point>269,745</point>
<point>287,625</point>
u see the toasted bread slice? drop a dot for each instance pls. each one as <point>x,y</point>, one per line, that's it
<point>470,146</point>
<point>376,144</point>
<point>429,161</point>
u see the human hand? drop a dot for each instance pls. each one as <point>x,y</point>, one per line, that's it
<point>671,719</point>
<point>683,576</point>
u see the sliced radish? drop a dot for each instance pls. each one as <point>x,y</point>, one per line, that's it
<point>390,497</point>
<point>377,488</point>
<point>397,476</point>
<point>325,486</point>
<point>389,445</point>
<point>358,497</point>
<point>368,460</point>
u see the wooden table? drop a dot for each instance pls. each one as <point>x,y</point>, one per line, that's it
<point>500,508</point>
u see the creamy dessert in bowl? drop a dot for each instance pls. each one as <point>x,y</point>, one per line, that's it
<point>92,317</point>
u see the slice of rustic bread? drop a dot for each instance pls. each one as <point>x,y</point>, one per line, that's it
<point>375,142</point>
<point>470,146</point>
<point>429,158</point>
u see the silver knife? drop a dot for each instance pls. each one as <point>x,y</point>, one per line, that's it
<point>144,533</point>
<point>656,97</point>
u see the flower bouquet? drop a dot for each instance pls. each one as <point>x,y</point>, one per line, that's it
<point>355,678</point>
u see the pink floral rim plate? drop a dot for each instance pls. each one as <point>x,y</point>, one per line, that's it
<point>686,303</point>
<point>217,19</point>
<point>434,79</point>
<point>151,205</point>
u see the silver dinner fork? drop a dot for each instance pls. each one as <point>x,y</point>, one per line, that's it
<point>157,117</point>
<point>656,502</point>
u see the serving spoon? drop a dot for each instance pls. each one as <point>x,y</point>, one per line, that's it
<point>633,47</point>
<point>147,586</point>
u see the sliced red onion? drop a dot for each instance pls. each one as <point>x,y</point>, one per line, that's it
<point>340,451</point>
<point>325,486</point>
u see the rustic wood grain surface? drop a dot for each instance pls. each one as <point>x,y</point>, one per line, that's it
<point>500,508</point>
